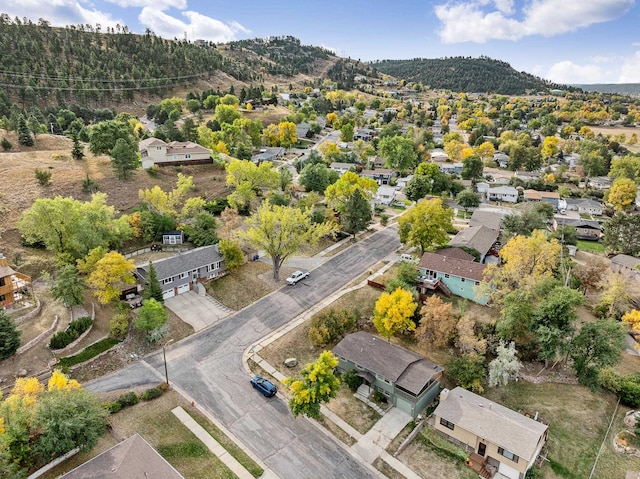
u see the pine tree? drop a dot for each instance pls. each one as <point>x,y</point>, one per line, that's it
<point>152,288</point>
<point>124,159</point>
<point>77,152</point>
<point>24,134</point>
<point>9,336</point>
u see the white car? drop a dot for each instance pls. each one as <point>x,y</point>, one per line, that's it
<point>297,276</point>
<point>406,257</point>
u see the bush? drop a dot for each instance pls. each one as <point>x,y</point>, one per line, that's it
<point>128,399</point>
<point>88,353</point>
<point>43,177</point>
<point>6,144</point>
<point>331,326</point>
<point>113,407</point>
<point>119,324</point>
<point>151,393</point>
<point>63,338</point>
<point>627,387</point>
<point>352,380</point>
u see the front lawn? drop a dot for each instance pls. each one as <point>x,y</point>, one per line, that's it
<point>249,283</point>
<point>591,246</point>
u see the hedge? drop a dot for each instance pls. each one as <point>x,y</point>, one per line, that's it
<point>88,353</point>
<point>64,338</point>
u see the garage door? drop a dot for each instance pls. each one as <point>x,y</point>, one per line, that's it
<point>169,294</point>
<point>183,288</point>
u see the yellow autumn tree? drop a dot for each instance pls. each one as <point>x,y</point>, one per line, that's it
<point>163,202</point>
<point>632,318</point>
<point>270,135</point>
<point>485,151</point>
<point>87,264</point>
<point>61,382</point>
<point>331,118</point>
<point>339,192</point>
<point>550,146</point>
<point>622,194</point>
<point>467,341</point>
<point>436,322</point>
<point>329,149</point>
<point>221,147</point>
<point>287,134</point>
<point>526,261</point>
<point>110,272</point>
<point>393,312</point>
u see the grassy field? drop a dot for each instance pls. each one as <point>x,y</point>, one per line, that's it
<point>578,422</point>
<point>591,246</point>
<point>244,286</point>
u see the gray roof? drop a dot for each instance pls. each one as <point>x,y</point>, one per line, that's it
<point>504,190</point>
<point>395,363</point>
<point>491,421</point>
<point>183,262</point>
<point>626,260</point>
<point>479,238</point>
<point>133,458</point>
<point>578,223</point>
<point>486,218</point>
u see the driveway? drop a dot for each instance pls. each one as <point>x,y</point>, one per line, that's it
<point>200,311</point>
<point>208,367</point>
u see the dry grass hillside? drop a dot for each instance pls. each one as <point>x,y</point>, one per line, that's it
<point>20,188</point>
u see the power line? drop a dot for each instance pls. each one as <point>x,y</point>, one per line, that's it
<point>97,80</point>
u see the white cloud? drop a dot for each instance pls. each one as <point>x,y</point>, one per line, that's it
<point>630,69</point>
<point>198,26</point>
<point>567,72</point>
<point>58,12</point>
<point>159,4</point>
<point>476,21</point>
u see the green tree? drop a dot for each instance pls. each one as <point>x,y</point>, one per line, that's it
<point>346,132</point>
<point>393,312</point>
<point>468,199</point>
<point>25,137</point>
<point>152,287</point>
<point>598,345</point>
<point>68,287</point>
<point>426,225</point>
<point>232,254</point>
<point>472,167</point>
<point>124,159</point>
<point>248,179</point>
<point>9,336</point>
<point>338,193</point>
<point>77,151</point>
<point>516,318</point>
<point>468,370</point>
<point>317,177</point>
<point>5,144</point>
<point>151,315</point>
<point>43,177</point>
<point>281,231</point>
<point>317,385</point>
<point>418,187</point>
<point>226,114</point>
<point>621,233</point>
<point>103,136</point>
<point>398,153</point>
<point>202,232</point>
<point>357,214</point>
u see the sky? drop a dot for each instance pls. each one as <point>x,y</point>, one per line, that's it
<point>565,41</point>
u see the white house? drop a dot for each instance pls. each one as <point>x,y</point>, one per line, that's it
<point>385,194</point>
<point>157,152</point>
<point>503,193</point>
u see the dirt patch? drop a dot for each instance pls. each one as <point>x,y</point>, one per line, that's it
<point>353,411</point>
<point>618,130</point>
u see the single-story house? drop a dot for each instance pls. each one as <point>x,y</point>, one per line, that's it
<point>585,205</point>
<point>342,168</point>
<point>503,193</point>
<point>376,162</point>
<point>401,183</point>
<point>302,130</point>
<point>479,238</point>
<point>14,286</point>
<point>157,152</point>
<point>364,134</point>
<point>173,237</point>
<point>133,458</point>
<point>451,168</point>
<point>551,197</point>
<point>527,175</point>
<point>626,265</point>
<point>178,274</point>
<point>502,159</point>
<point>406,379</point>
<point>600,182</point>
<point>461,277</point>
<point>381,175</point>
<point>271,153</point>
<point>587,229</point>
<point>499,439</point>
<point>489,219</point>
<point>438,155</point>
<point>385,195</point>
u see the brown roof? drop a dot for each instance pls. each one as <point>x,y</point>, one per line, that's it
<point>6,271</point>
<point>539,195</point>
<point>457,267</point>
<point>491,421</point>
<point>479,238</point>
<point>394,363</point>
<point>133,458</point>
<point>455,253</point>
<point>186,146</point>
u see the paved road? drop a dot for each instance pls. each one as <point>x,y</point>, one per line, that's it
<point>208,366</point>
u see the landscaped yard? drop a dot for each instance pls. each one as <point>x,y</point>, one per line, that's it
<point>155,422</point>
<point>592,246</point>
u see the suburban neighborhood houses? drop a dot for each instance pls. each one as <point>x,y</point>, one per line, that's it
<point>445,283</point>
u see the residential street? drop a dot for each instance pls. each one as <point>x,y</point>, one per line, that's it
<point>208,366</point>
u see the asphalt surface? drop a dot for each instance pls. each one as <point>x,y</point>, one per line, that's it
<point>208,366</point>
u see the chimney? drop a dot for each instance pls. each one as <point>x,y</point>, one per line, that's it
<point>444,394</point>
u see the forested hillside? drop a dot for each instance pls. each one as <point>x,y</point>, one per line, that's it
<point>622,88</point>
<point>465,74</point>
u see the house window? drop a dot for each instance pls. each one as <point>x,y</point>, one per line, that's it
<point>184,275</point>
<point>508,454</point>
<point>187,156</point>
<point>2,283</point>
<point>447,424</point>
<point>158,148</point>
<point>462,280</point>
<point>446,275</point>
<point>167,280</point>
<point>477,283</point>
<point>2,297</point>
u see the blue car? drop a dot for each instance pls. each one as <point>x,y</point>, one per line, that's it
<point>264,386</point>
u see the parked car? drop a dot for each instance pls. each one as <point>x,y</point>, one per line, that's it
<point>297,276</point>
<point>406,257</point>
<point>263,385</point>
